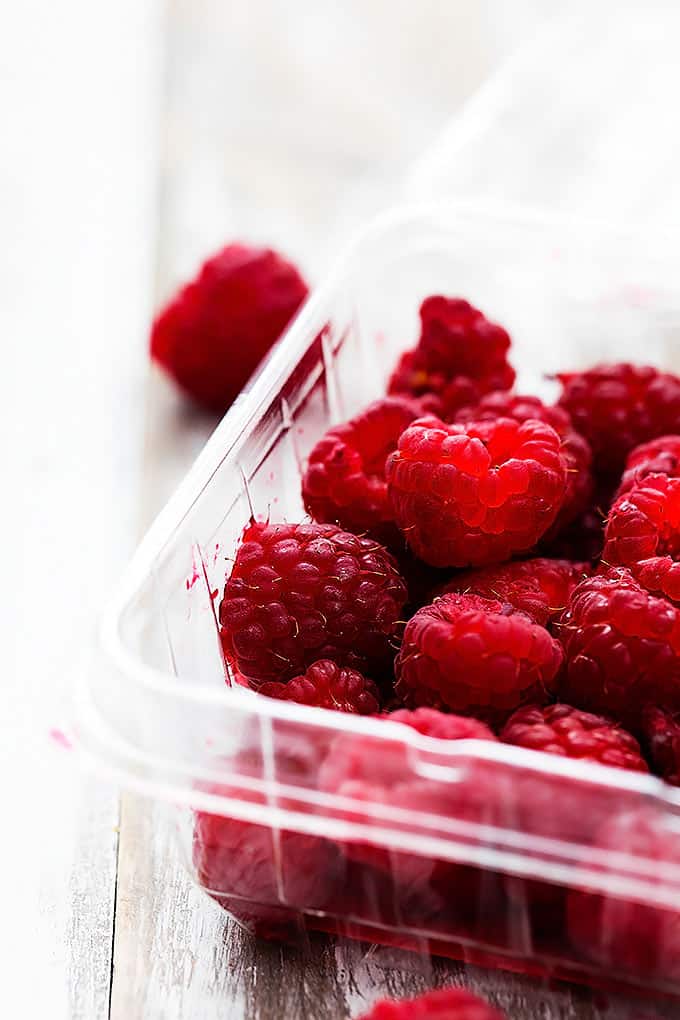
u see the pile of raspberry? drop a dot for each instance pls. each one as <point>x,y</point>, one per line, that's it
<point>477,564</point>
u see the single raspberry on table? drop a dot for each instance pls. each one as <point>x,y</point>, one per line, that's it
<point>326,685</point>
<point>445,1004</point>
<point>475,656</point>
<point>659,457</point>
<point>459,357</point>
<point>617,407</point>
<point>468,495</point>
<point>563,730</point>
<point>636,937</point>
<point>661,733</point>
<point>213,334</point>
<point>622,649</point>
<point>302,592</point>
<point>539,587</point>
<point>575,449</point>
<point>644,522</point>
<point>345,478</point>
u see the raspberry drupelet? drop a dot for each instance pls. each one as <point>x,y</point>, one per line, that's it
<point>302,592</point>
<point>475,656</point>
<point>445,1004</point>
<point>345,478</point>
<point>570,733</point>
<point>644,522</point>
<point>622,649</point>
<point>326,685</point>
<point>575,449</point>
<point>468,495</point>
<point>618,406</point>
<point>538,587</point>
<point>459,357</point>
<point>216,330</point>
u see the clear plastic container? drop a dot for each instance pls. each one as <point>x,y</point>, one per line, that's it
<point>472,850</point>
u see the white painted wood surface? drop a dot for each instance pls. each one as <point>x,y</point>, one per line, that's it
<point>279,122</point>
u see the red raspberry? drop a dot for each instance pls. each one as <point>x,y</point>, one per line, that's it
<point>575,449</point>
<point>637,937</point>
<point>302,592</point>
<point>476,656</point>
<point>659,457</point>
<point>325,685</point>
<point>616,407</point>
<point>563,730</point>
<point>659,575</point>
<point>622,648</point>
<point>445,1004</point>
<point>216,330</point>
<point>539,587</point>
<point>460,356</point>
<point>466,495</point>
<point>345,478</point>
<point>644,522</point>
<point>662,740</point>
<point>262,875</point>
<point>375,776</point>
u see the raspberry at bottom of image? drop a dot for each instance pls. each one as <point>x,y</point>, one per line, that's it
<point>445,1004</point>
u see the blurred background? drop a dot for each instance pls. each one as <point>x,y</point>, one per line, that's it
<point>138,137</point>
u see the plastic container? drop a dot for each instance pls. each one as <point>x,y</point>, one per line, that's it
<point>477,851</point>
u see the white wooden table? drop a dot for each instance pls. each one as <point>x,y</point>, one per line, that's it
<point>276,122</point>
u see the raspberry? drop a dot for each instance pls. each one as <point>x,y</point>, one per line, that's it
<point>539,587</point>
<point>575,449</point>
<point>432,723</point>
<point>644,522</point>
<point>476,656</point>
<point>638,938</point>
<point>345,479</point>
<point>376,776</point>
<point>326,685</point>
<point>445,1004</point>
<point>459,357</point>
<point>618,406</point>
<point>216,330</point>
<point>466,495</point>
<point>302,592</point>
<point>662,740</point>
<point>260,874</point>
<point>563,730</point>
<point>659,457</point>
<point>660,575</point>
<point>622,648</point>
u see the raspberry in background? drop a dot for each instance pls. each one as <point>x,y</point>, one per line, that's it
<point>633,938</point>
<point>445,1004</point>
<point>570,733</point>
<point>345,478</point>
<point>659,457</point>
<point>660,575</point>
<point>581,541</point>
<point>468,495</point>
<point>575,449</point>
<point>539,587</point>
<point>618,406</point>
<point>661,737</point>
<point>216,330</point>
<point>302,592</point>
<point>460,356</point>
<point>325,685</point>
<point>622,647</point>
<point>475,656</point>
<point>644,522</point>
